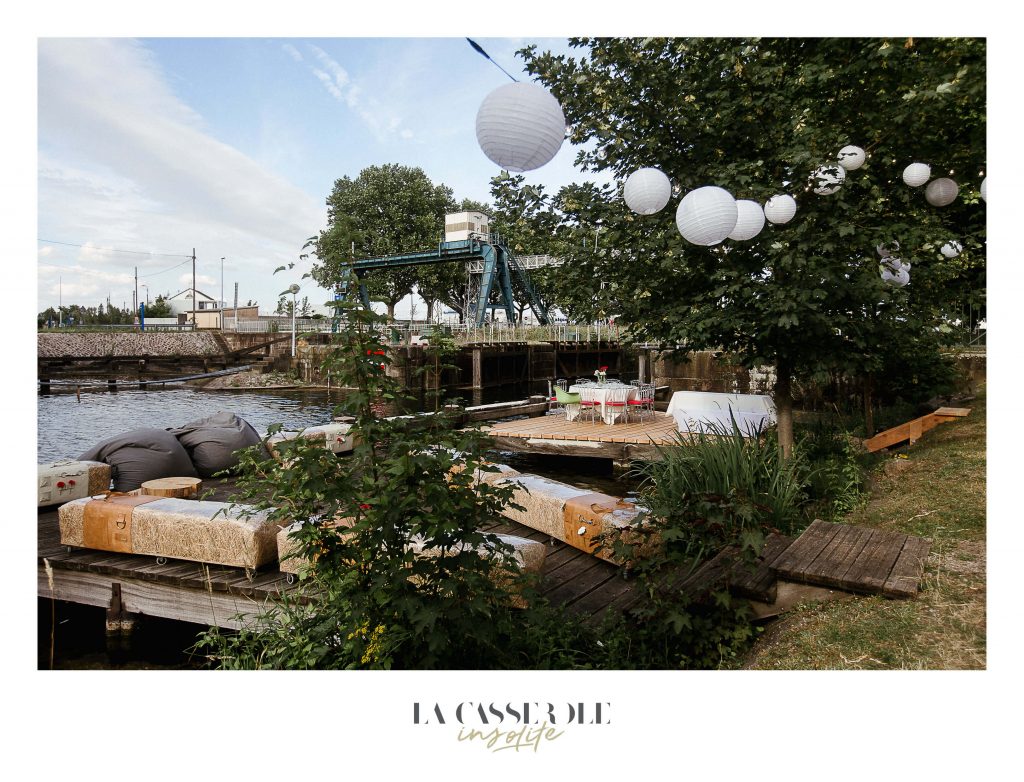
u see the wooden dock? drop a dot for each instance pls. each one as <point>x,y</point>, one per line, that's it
<point>226,596</point>
<point>552,434</point>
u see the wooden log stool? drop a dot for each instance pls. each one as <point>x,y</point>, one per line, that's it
<point>181,488</point>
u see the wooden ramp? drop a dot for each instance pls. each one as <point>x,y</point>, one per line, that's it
<point>552,434</point>
<point>912,430</point>
<point>855,559</point>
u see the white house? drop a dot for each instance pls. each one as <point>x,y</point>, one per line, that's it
<point>181,303</point>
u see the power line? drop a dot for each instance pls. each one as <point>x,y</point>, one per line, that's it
<point>114,250</point>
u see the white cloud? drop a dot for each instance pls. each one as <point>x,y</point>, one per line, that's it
<point>125,165</point>
<point>384,124</point>
<point>293,52</point>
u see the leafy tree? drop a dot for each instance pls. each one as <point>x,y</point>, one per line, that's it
<point>385,210</point>
<point>159,309</point>
<point>757,116</point>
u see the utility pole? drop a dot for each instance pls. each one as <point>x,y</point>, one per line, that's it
<point>135,298</point>
<point>60,302</point>
<point>194,297</point>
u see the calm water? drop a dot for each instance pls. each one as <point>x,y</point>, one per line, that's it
<point>67,428</point>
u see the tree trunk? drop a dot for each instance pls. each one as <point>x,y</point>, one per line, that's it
<point>430,312</point>
<point>869,404</point>
<point>784,406</point>
<point>391,309</point>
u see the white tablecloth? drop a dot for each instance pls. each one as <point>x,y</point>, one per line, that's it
<point>601,394</point>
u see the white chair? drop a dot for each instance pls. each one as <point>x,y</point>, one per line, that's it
<point>588,404</point>
<point>643,402</point>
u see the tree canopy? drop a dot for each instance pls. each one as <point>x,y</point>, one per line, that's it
<point>385,210</point>
<point>757,117</point>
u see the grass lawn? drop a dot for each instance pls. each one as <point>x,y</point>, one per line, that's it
<point>937,492</point>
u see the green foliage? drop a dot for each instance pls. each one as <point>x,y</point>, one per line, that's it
<point>368,600</point>
<point>765,491</point>
<point>672,626</point>
<point>835,469</point>
<point>385,210</point>
<point>757,116</point>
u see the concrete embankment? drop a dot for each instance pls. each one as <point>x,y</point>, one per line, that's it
<point>99,345</point>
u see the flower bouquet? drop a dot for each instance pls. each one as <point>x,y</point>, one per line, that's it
<point>601,373</point>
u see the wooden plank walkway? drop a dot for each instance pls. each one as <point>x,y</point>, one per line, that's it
<point>552,434</point>
<point>856,559</point>
<point>913,430</point>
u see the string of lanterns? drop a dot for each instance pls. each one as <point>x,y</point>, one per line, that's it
<point>521,127</point>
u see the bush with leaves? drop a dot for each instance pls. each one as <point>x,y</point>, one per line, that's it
<point>370,601</point>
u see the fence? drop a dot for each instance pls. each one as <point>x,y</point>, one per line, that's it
<point>489,333</point>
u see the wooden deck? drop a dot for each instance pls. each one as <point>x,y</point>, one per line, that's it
<point>227,596</point>
<point>552,434</point>
<point>855,559</point>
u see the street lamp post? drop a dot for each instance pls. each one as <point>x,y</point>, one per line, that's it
<point>294,289</point>
<point>221,305</point>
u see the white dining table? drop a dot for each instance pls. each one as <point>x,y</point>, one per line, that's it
<point>602,392</point>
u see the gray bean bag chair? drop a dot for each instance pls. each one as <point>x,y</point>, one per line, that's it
<point>142,455</point>
<point>212,443</point>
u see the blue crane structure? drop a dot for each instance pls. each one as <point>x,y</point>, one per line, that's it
<point>500,268</point>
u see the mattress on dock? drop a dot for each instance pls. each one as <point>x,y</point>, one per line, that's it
<point>217,533</point>
<point>568,513</point>
<point>335,437</point>
<point>529,554</point>
<point>69,479</point>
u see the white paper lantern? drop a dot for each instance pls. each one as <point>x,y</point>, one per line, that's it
<point>885,250</point>
<point>520,126</point>
<point>916,174</point>
<point>951,249</point>
<point>888,275</point>
<point>828,179</point>
<point>941,192</point>
<point>706,215</point>
<point>749,221</point>
<point>647,190</point>
<point>851,158</point>
<point>780,209</point>
<point>983,181</point>
<point>902,277</point>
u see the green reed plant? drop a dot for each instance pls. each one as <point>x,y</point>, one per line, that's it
<point>720,461</point>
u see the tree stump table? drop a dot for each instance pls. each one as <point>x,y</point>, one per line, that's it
<point>181,488</point>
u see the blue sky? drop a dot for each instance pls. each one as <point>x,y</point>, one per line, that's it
<point>231,145</point>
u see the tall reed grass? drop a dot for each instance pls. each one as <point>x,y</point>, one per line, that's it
<point>720,460</point>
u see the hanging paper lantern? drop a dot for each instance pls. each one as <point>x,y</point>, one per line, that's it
<point>780,209</point>
<point>983,181</point>
<point>851,158</point>
<point>885,250</point>
<point>916,174</point>
<point>941,192</point>
<point>647,190</point>
<point>520,126</point>
<point>749,221</point>
<point>828,179</point>
<point>888,275</point>
<point>951,249</point>
<point>706,215</point>
<point>902,277</point>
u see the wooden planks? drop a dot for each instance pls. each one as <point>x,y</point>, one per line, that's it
<point>660,429</point>
<point>856,559</point>
<point>913,430</point>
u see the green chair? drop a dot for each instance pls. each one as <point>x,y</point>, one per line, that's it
<point>571,403</point>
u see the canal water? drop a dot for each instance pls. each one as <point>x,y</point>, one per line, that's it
<point>73,637</point>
